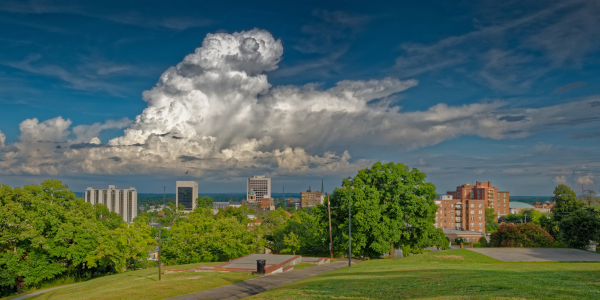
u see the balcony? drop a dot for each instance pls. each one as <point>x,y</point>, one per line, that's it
<point>458,214</point>
<point>458,220</point>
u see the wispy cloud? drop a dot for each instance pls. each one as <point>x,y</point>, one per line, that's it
<point>133,17</point>
<point>516,52</point>
<point>568,87</point>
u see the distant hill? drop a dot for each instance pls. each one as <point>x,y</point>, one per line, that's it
<point>530,199</point>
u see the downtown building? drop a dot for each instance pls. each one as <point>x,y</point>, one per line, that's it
<point>310,198</point>
<point>187,194</point>
<point>120,201</point>
<point>464,209</point>
<point>260,186</point>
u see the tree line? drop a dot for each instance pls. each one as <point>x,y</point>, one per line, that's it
<point>46,232</point>
<point>573,221</point>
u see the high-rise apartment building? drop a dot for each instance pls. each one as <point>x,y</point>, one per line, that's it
<point>186,194</point>
<point>464,209</point>
<point>261,186</point>
<point>121,201</point>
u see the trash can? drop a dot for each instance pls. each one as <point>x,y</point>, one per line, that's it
<point>260,266</point>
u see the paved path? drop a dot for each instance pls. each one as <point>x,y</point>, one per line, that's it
<point>257,285</point>
<point>41,292</point>
<point>537,254</point>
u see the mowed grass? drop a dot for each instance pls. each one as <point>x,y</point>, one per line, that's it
<point>451,274</point>
<point>303,266</point>
<point>144,284</point>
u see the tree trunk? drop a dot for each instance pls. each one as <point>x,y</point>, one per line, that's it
<point>392,251</point>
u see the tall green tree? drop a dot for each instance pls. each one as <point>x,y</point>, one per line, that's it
<point>490,220</point>
<point>565,202</point>
<point>205,202</point>
<point>392,206</point>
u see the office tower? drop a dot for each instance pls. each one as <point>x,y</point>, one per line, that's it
<point>186,194</point>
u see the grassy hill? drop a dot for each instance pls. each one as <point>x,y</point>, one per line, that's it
<point>452,274</point>
<point>144,284</point>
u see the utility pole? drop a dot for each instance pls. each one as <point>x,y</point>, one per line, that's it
<point>330,236</point>
<point>349,223</point>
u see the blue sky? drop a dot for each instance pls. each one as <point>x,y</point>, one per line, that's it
<point>462,90</point>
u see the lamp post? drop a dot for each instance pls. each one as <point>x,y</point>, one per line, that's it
<point>330,237</point>
<point>349,224</point>
<point>160,215</point>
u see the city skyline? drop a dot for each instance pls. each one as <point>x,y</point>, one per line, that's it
<point>139,95</point>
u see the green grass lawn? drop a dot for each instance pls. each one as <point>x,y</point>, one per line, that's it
<point>144,284</point>
<point>451,274</point>
<point>303,266</point>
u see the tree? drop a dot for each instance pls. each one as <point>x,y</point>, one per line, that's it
<point>292,243</point>
<point>121,247</point>
<point>579,228</point>
<point>490,220</point>
<point>199,238</point>
<point>205,202</point>
<point>565,202</point>
<point>392,207</point>
<point>527,235</point>
<point>590,198</point>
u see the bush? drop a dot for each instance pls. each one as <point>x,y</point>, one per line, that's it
<point>526,235</point>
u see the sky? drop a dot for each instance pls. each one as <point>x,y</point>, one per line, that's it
<point>137,93</point>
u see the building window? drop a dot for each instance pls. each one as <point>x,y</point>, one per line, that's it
<point>112,200</point>
<point>472,224</point>
<point>472,212</point>
<point>129,205</point>
<point>504,200</point>
<point>481,211</point>
<point>480,224</point>
<point>504,205</point>
<point>96,197</point>
<point>471,194</point>
<point>451,205</point>
<point>480,230</point>
<point>454,240</point>
<point>472,205</point>
<point>472,218</point>
<point>480,218</point>
<point>468,240</point>
<point>89,194</point>
<point>121,198</point>
<point>480,205</point>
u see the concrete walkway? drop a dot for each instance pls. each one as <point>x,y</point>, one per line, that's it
<point>537,254</point>
<point>42,291</point>
<point>257,285</point>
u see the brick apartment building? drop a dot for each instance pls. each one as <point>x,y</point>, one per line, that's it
<point>464,209</point>
<point>310,198</point>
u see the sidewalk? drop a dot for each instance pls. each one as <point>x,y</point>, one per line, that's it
<point>41,292</point>
<point>260,284</point>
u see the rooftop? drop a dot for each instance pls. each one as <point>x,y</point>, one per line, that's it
<point>519,205</point>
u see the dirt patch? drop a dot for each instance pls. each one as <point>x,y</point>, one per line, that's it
<point>450,257</point>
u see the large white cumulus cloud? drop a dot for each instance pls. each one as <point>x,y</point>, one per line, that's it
<point>216,113</point>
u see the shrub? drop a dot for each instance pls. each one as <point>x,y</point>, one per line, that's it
<point>527,235</point>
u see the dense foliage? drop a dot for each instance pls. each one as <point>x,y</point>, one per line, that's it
<point>46,232</point>
<point>579,228</point>
<point>392,206</point>
<point>525,235</point>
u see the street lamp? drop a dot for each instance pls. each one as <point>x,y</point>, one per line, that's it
<point>349,224</point>
<point>160,215</point>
